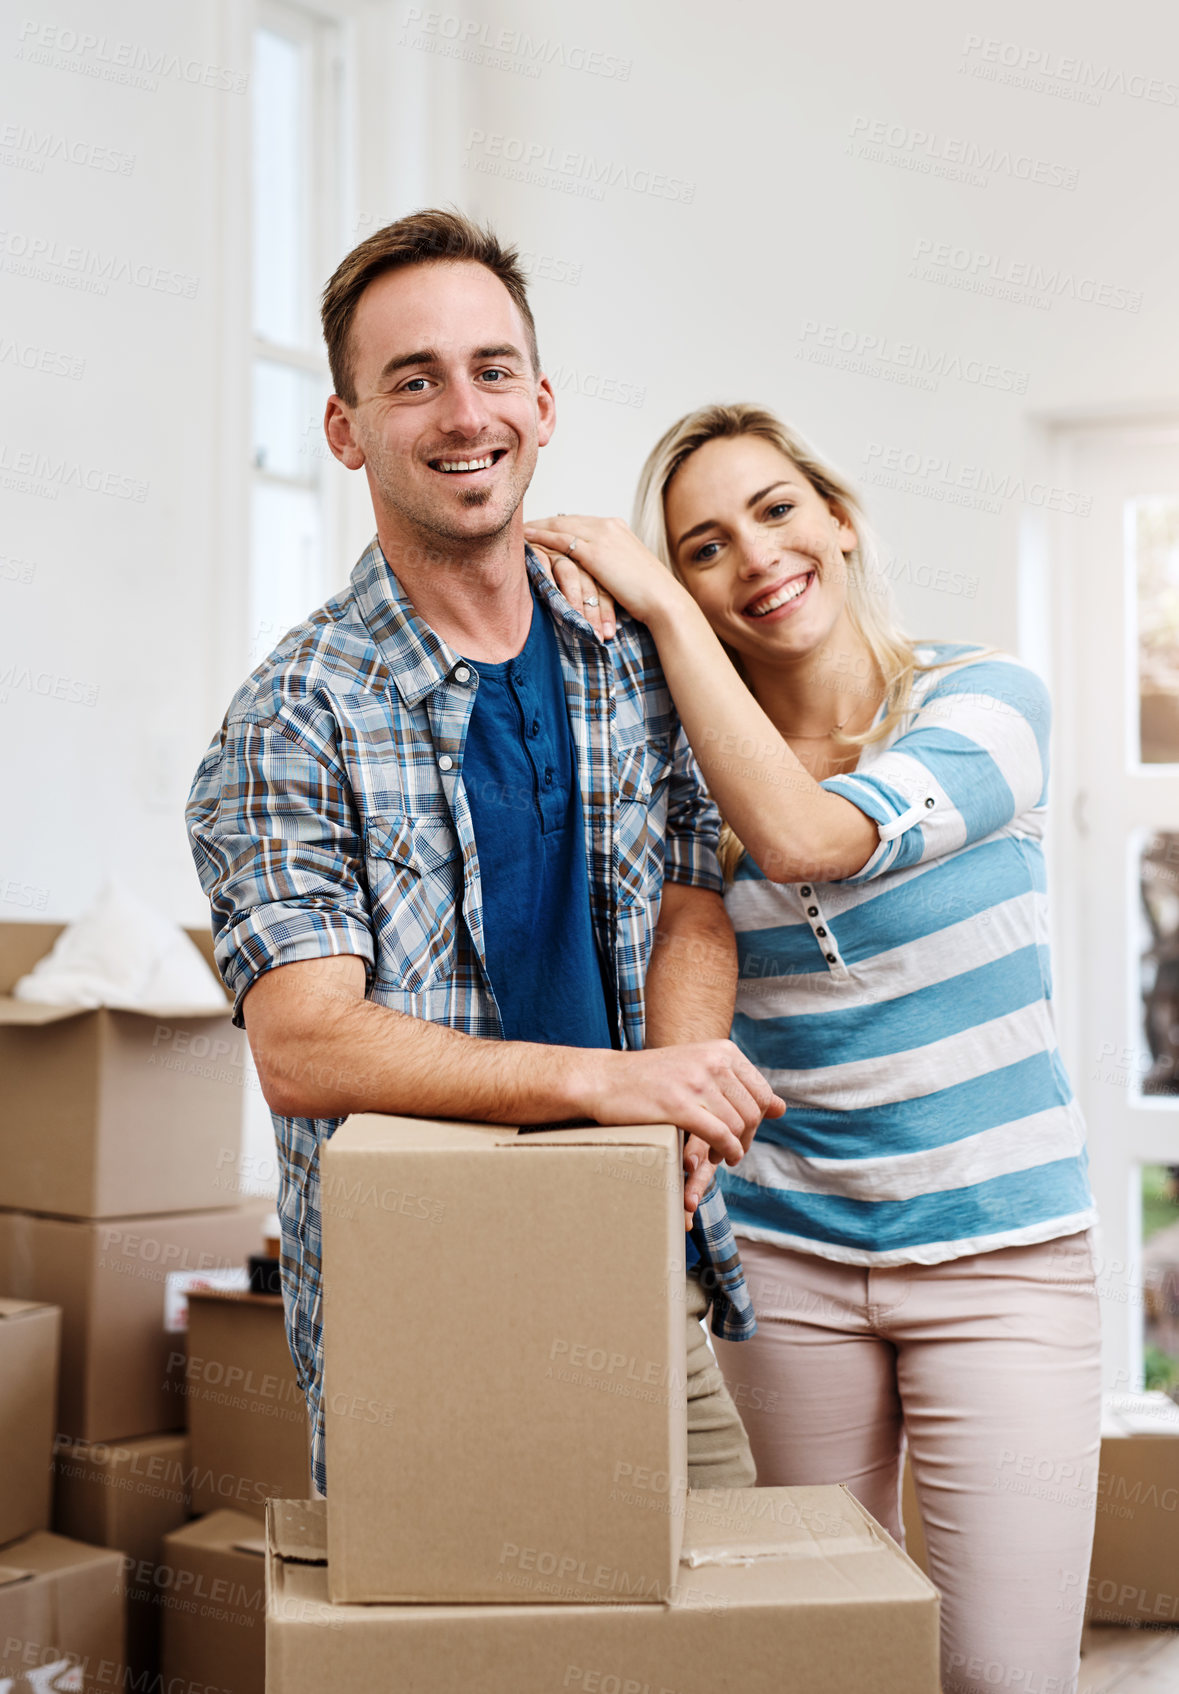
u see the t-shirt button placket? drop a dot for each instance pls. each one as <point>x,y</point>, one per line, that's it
<point>817,920</point>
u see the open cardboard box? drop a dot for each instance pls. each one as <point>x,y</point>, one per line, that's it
<point>110,1113</point>
<point>778,1588</point>
<point>505,1364</point>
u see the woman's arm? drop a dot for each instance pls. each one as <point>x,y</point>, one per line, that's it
<point>795,829</point>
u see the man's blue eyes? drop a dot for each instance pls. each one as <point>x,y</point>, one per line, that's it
<point>412,386</point>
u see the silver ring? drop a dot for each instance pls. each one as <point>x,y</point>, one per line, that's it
<point>590,600</point>
<point>572,548</point>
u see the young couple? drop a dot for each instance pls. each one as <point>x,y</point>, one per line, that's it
<point>462,864</point>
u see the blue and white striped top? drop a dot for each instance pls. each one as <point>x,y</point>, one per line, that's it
<point>905,1013</point>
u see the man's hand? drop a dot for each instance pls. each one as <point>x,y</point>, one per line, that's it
<point>701,1170</point>
<point>709,1089</point>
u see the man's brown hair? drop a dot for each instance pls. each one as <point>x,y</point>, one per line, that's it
<point>422,238</point>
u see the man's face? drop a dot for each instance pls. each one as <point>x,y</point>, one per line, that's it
<point>449,413</point>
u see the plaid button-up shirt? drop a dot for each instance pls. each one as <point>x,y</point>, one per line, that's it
<point>329,817</point>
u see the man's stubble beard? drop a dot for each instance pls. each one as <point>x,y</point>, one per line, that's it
<point>425,518</point>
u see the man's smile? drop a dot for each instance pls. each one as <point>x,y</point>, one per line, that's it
<point>468,465</point>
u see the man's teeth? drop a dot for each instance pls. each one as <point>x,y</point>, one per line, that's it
<point>465,464</point>
<point>784,595</point>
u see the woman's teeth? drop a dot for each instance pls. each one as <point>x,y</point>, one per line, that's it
<point>781,597</point>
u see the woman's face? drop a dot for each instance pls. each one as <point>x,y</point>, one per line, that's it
<point>758,549</point>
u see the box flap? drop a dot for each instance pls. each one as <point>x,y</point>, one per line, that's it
<point>12,1573</point>
<point>1139,1414</point>
<point>22,1308</point>
<point>600,1135</point>
<point>22,1013</point>
<point>176,1014</point>
<point>251,1544</point>
<point>297,1530</point>
<point>224,1529</point>
<point>236,1297</point>
<point>373,1132</point>
<point>21,945</point>
<point>42,1553</point>
<point>736,1526</point>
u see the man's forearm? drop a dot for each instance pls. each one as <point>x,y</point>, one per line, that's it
<point>324,1051</point>
<point>330,1052</point>
<point>692,978</point>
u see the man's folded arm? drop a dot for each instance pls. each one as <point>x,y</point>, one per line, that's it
<point>273,823</point>
<point>322,1050</point>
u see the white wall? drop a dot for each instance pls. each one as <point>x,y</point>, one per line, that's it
<point>138,604</point>
<point>760,109</point>
<point>128,595</point>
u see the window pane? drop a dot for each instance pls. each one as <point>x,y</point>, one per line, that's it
<point>286,577</point>
<point>288,431</point>
<point>1159,883</point>
<point>280,242</point>
<point>1154,540</point>
<point>1160,1266</point>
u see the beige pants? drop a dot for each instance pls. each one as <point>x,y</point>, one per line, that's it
<point>718,1447</point>
<point>990,1366</point>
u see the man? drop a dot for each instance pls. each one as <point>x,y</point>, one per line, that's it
<point>435,824</point>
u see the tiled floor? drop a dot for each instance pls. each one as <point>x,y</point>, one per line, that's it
<point>1130,1661</point>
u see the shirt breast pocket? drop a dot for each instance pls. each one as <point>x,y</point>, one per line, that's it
<point>644,773</point>
<point>413,873</point>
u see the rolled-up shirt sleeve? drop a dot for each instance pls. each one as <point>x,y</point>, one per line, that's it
<point>973,758</point>
<point>273,832</point>
<point>693,825</point>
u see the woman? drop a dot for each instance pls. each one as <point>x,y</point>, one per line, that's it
<point>916,1228</point>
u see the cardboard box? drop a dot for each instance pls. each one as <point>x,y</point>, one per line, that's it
<point>504,1353</point>
<point>1134,1574</point>
<point>126,1496</point>
<point>247,1415</point>
<point>61,1617</point>
<point>781,1588</point>
<point>30,1336</point>
<point>122,1372</point>
<point>214,1606</point>
<point>109,1113</point>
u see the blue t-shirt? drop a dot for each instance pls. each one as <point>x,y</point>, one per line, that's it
<point>520,774</point>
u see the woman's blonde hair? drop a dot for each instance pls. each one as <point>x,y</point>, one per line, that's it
<point>869,599</point>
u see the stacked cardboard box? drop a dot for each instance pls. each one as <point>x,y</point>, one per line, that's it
<point>119,1150</point>
<point>249,1441</point>
<point>247,1415</point>
<point>214,1633</point>
<point>30,1336</point>
<point>61,1611</point>
<point>61,1616</point>
<point>1134,1574</point>
<point>126,1495</point>
<point>507,1503</point>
